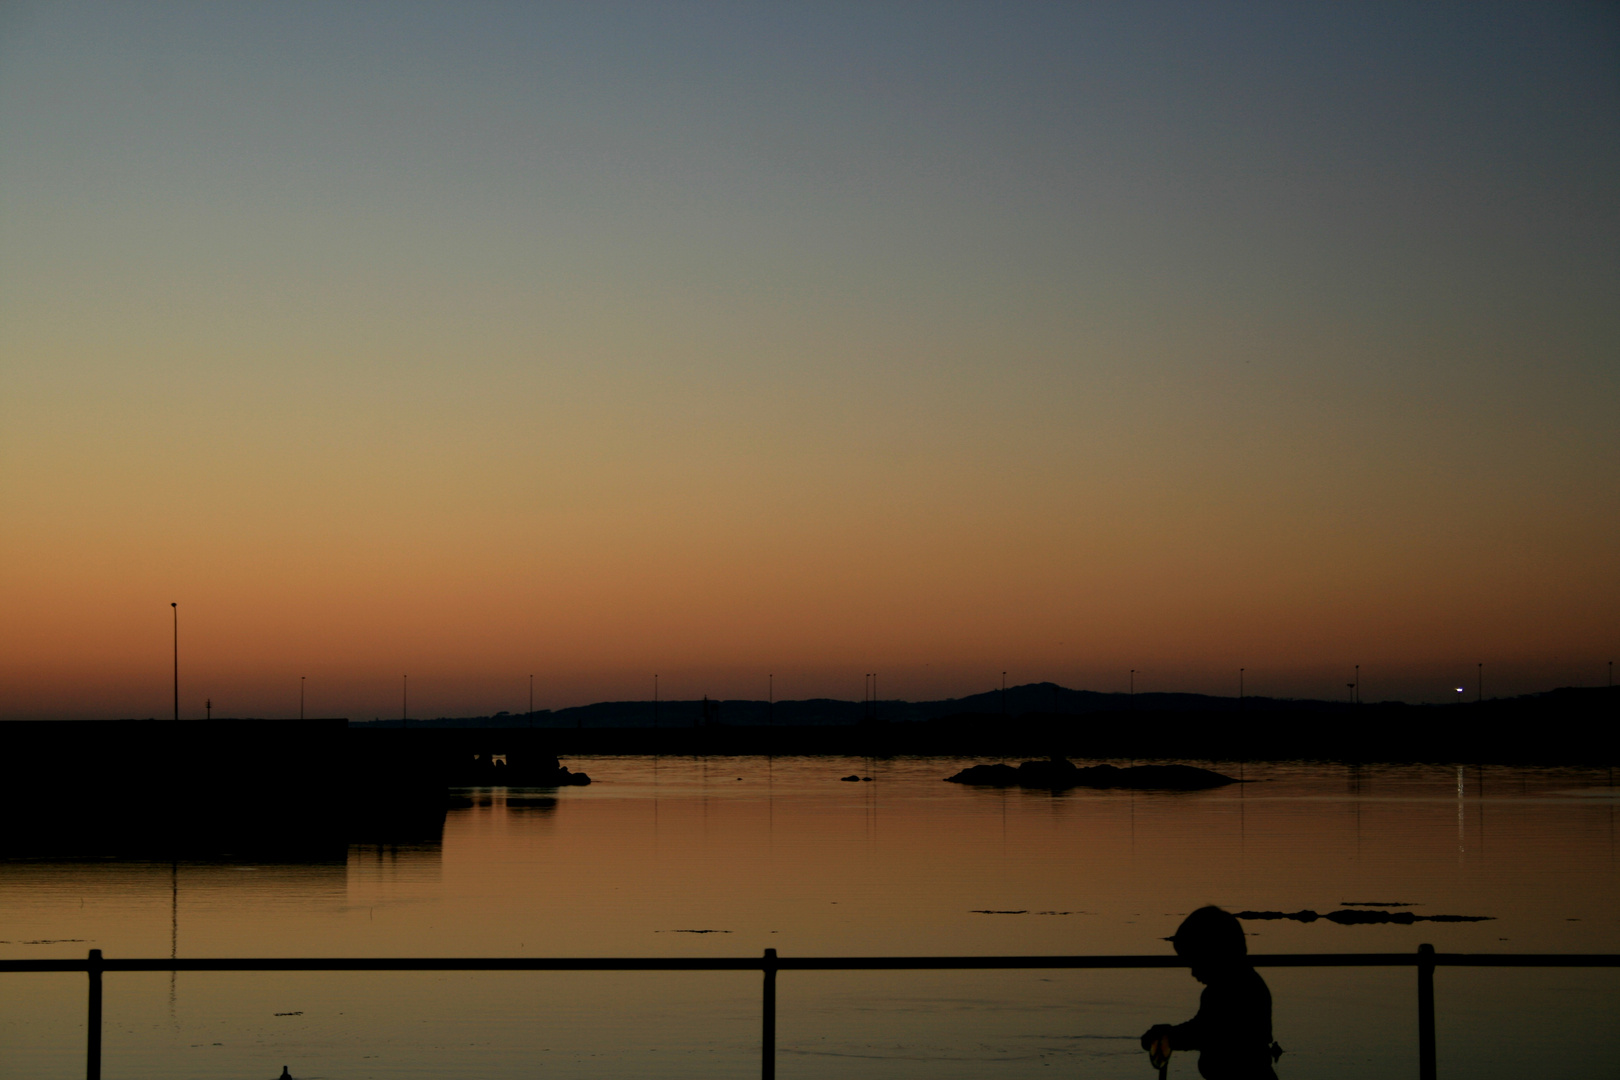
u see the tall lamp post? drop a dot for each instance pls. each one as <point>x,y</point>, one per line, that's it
<point>176,607</point>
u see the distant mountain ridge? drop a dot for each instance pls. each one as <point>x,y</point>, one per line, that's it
<point>1030,699</point>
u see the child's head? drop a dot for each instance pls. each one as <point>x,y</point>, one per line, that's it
<point>1210,938</point>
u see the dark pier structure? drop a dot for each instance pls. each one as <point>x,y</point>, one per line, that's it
<point>300,788</point>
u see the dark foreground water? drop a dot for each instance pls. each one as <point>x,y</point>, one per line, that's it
<point>728,856</point>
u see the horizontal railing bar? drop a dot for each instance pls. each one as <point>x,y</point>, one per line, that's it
<point>798,963</point>
<point>1527,959</point>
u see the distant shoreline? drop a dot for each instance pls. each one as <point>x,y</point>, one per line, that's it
<point>1570,726</point>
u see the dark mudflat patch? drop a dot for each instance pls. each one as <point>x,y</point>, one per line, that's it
<point>987,911</point>
<point>1356,918</point>
<point>691,931</point>
<point>1057,774</point>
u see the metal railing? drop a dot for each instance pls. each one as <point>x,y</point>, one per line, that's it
<point>1425,960</point>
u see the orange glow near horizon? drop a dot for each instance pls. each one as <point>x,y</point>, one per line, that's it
<point>716,352</point>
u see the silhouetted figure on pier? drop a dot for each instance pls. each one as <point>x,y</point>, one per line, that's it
<point>1232,1030</point>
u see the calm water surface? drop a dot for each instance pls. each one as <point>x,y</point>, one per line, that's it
<point>728,856</point>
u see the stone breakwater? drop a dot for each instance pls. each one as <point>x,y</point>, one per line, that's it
<point>1355,918</point>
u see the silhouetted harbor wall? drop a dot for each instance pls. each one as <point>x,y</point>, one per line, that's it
<point>160,787</point>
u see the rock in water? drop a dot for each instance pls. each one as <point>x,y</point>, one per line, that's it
<point>1059,774</point>
<point>990,775</point>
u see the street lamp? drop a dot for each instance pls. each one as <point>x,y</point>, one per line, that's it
<point>176,608</point>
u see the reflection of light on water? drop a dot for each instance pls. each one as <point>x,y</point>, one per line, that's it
<point>1459,813</point>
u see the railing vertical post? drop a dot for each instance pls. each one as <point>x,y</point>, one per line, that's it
<point>1425,966</point>
<point>767,1040</point>
<point>92,1058</point>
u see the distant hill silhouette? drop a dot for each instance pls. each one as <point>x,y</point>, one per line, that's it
<point>1567,725</point>
<point>1030,699</point>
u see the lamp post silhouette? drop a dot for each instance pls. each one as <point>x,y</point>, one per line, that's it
<point>1358,684</point>
<point>531,701</point>
<point>655,701</point>
<point>770,700</point>
<point>176,607</point>
<point>208,709</point>
<point>1240,689</point>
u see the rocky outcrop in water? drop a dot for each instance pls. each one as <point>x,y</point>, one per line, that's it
<point>1351,918</point>
<point>1059,774</point>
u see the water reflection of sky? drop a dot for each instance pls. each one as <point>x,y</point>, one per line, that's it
<point>782,854</point>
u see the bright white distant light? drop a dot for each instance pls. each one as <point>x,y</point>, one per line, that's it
<point>1459,690</point>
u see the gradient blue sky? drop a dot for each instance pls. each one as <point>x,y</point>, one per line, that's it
<point>477,340</point>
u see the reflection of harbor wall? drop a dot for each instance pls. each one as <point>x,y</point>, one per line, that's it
<point>133,787</point>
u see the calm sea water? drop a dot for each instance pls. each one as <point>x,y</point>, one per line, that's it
<point>728,856</point>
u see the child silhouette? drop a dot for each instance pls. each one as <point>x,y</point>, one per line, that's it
<point>1232,1031</point>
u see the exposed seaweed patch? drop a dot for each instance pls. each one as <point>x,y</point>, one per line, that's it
<point>1352,918</point>
<point>691,931</point>
<point>988,911</point>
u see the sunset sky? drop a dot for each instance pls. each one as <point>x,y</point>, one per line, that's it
<point>471,341</point>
